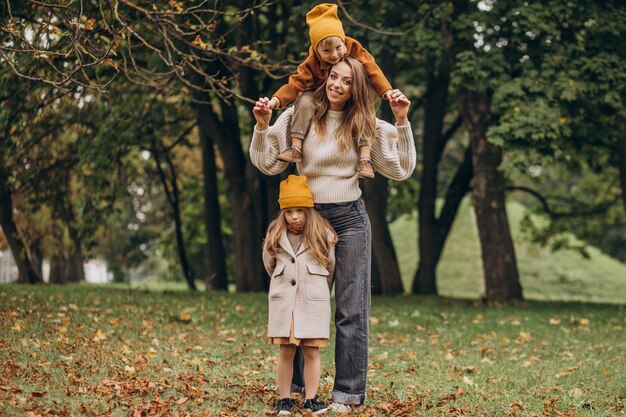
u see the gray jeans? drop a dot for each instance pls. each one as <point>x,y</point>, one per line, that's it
<point>353,300</point>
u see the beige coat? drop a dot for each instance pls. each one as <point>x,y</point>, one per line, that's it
<point>299,286</point>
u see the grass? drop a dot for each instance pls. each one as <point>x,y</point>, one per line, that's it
<point>559,276</point>
<point>102,350</point>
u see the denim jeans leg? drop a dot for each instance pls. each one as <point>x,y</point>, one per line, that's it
<point>353,257</point>
<point>353,298</point>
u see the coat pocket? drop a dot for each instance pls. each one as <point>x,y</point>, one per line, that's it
<point>316,283</point>
<point>277,283</point>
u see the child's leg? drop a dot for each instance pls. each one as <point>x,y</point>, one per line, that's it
<point>312,370</point>
<point>365,151</point>
<point>303,111</point>
<point>284,369</point>
<point>366,170</point>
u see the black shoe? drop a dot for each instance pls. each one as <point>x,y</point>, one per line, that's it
<point>314,406</point>
<point>284,406</point>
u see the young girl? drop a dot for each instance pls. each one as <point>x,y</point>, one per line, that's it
<point>299,256</point>
<point>328,45</point>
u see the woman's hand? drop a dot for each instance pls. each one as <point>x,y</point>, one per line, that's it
<point>262,113</point>
<point>399,106</point>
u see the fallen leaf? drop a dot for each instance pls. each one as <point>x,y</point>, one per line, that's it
<point>566,372</point>
<point>100,335</point>
<point>575,392</point>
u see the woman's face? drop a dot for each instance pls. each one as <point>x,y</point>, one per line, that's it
<point>339,86</point>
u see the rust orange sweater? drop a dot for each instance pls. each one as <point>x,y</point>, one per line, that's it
<point>313,71</point>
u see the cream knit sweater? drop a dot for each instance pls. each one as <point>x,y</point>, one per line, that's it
<point>331,173</point>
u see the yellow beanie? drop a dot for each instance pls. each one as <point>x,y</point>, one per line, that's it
<point>324,22</point>
<point>295,192</point>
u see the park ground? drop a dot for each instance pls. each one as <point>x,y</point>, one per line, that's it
<point>112,350</point>
<point>157,349</point>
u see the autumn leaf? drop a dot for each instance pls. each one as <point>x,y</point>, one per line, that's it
<point>199,42</point>
<point>566,372</point>
<point>100,336</point>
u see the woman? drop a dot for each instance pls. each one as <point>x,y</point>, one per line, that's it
<point>344,114</point>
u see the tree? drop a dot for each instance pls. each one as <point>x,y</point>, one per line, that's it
<point>474,89</point>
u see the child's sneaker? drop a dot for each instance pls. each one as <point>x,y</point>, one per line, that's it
<point>293,154</point>
<point>314,406</point>
<point>366,170</point>
<point>284,406</point>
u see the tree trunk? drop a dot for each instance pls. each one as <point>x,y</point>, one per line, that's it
<point>435,111</point>
<point>375,193</point>
<point>457,189</point>
<point>58,268</point>
<point>217,275</point>
<point>621,148</point>
<point>75,262</point>
<point>247,203</point>
<point>498,254</point>
<point>173,197</point>
<point>27,271</point>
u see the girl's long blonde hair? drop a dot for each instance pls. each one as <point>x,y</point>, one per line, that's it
<point>359,118</point>
<point>317,234</point>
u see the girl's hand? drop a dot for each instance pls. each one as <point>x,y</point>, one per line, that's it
<point>399,106</point>
<point>262,113</point>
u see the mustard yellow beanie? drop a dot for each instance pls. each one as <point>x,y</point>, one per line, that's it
<point>295,192</point>
<point>324,22</point>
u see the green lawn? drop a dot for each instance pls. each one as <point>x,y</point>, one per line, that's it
<point>545,275</point>
<point>102,350</point>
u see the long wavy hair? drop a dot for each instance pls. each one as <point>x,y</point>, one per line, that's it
<point>359,118</point>
<point>317,234</point>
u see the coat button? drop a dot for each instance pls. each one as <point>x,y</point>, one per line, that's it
<point>293,282</point>
<point>293,260</point>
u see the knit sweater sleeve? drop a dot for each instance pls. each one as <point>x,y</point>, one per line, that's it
<point>393,150</point>
<point>267,144</point>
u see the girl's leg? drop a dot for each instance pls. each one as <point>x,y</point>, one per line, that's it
<point>284,369</point>
<point>312,370</point>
